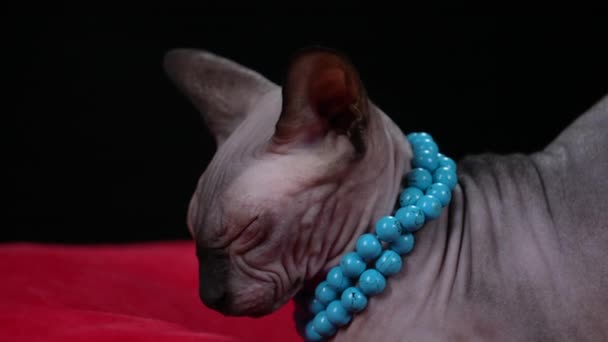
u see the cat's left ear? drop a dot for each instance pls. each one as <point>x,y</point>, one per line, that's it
<point>222,90</point>
<point>322,93</point>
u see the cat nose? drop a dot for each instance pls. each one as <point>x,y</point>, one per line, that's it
<point>213,277</point>
<point>213,296</point>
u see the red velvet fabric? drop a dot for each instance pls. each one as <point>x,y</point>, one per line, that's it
<point>130,292</point>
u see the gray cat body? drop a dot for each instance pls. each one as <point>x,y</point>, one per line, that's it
<point>302,169</point>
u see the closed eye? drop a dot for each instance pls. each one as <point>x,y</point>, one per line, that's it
<point>249,237</point>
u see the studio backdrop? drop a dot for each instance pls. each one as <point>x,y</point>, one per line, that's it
<point>104,148</point>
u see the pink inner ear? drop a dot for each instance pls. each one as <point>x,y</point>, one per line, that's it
<point>322,93</point>
<point>330,93</point>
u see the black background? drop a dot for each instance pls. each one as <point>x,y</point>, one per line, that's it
<point>102,147</point>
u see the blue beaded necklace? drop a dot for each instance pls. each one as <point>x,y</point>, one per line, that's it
<point>363,272</point>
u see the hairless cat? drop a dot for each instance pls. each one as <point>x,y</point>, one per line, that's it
<point>303,168</point>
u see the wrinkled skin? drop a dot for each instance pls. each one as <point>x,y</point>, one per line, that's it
<point>304,168</point>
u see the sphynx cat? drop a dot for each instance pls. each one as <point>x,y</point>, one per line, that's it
<point>303,168</point>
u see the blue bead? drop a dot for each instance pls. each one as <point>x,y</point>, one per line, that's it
<point>353,299</point>
<point>404,244</point>
<point>322,325</point>
<point>425,144</point>
<point>411,217</point>
<point>441,192</point>
<point>389,263</point>
<point>412,136</point>
<point>368,247</point>
<point>337,280</point>
<point>424,135</point>
<point>311,334</point>
<point>315,306</point>
<point>425,159</point>
<point>337,314</point>
<point>324,293</point>
<point>446,161</point>
<point>352,265</point>
<point>419,178</point>
<point>415,138</point>
<point>420,140</point>
<point>446,176</point>
<point>388,228</point>
<point>430,206</point>
<point>372,282</point>
<point>421,135</point>
<point>410,196</point>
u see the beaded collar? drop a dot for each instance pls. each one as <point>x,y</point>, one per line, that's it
<point>363,273</point>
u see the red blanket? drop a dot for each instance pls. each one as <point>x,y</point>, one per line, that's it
<point>134,292</point>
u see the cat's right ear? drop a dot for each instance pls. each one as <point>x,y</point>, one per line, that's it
<point>322,93</point>
<point>222,90</point>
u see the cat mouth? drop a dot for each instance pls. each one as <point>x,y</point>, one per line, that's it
<point>264,310</point>
<point>288,295</point>
<point>261,311</point>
